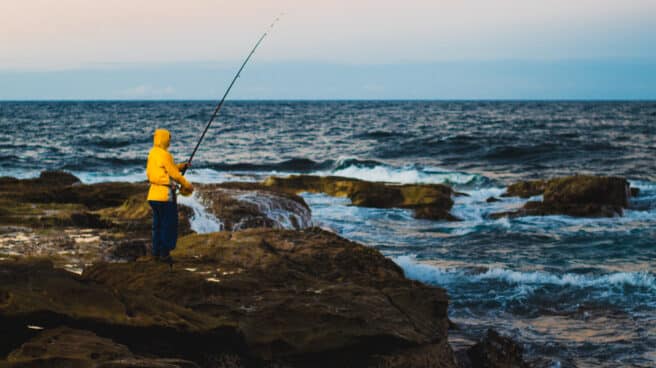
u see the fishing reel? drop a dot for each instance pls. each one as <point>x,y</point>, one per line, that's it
<point>183,191</point>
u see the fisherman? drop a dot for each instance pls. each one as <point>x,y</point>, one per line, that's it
<point>163,174</point>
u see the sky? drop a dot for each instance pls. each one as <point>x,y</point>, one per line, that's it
<point>339,49</point>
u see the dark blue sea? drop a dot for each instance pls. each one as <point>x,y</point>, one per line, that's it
<point>576,292</point>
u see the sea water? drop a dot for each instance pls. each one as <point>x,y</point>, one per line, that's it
<point>575,292</point>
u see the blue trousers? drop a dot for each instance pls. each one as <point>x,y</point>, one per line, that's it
<point>165,227</point>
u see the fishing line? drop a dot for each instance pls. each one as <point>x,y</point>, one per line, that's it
<point>225,95</point>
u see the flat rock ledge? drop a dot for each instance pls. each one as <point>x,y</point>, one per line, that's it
<point>259,297</point>
<point>427,201</point>
<point>256,296</point>
<point>578,196</point>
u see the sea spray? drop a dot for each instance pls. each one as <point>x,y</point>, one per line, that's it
<point>202,221</point>
<point>444,275</point>
<point>286,213</point>
<point>408,174</point>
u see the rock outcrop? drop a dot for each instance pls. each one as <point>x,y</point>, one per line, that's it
<point>526,189</point>
<point>257,297</point>
<point>75,224</point>
<point>249,205</point>
<point>492,351</point>
<point>428,201</point>
<point>580,196</point>
<point>34,294</point>
<point>67,347</point>
<point>291,298</point>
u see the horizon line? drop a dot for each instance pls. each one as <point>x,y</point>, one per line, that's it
<point>341,100</point>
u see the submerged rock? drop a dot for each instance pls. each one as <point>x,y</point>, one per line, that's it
<point>284,298</point>
<point>428,201</point>
<point>493,351</point>
<point>580,195</point>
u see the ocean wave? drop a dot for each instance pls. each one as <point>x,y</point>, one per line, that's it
<point>410,174</point>
<point>92,177</point>
<point>378,134</point>
<point>108,141</point>
<point>103,163</point>
<point>204,176</point>
<point>515,152</point>
<point>438,275</point>
<point>294,165</point>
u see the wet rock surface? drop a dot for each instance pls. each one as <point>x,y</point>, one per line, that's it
<point>254,296</point>
<point>492,351</point>
<point>579,196</point>
<point>250,205</point>
<point>297,298</point>
<point>55,215</point>
<point>428,201</point>
<point>67,347</point>
<point>34,294</point>
<point>75,224</point>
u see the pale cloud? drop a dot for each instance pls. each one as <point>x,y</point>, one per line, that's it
<point>49,34</point>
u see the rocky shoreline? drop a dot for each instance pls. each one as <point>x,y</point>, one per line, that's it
<point>269,290</point>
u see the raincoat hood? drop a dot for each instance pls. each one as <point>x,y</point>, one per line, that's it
<point>162,138</point>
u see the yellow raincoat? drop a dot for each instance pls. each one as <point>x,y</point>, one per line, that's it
<point>162,171</point>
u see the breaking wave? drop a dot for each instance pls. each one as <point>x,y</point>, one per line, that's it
<point>438,275</point>
<point>286,213</point>
<point>368,170</point>
<point>201,221</point>
<point>408,174</point>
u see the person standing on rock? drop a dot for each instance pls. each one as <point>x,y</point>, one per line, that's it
<point>163,174</point>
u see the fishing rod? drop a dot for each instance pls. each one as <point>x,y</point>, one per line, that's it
<point>220,104</point>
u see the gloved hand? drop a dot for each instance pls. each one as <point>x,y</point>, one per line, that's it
<point>186,190</point>
<point>184,166</point>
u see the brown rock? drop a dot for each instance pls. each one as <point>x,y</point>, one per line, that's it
<point>34,293</point>
<point>430,201</point>
<point>57,178</point>
<point>583,189</point>
<point>113,220</point>
<point>67,347</point>
<point>493,351</point>
<point>580,196</point>
<point>525,189</point>
<point>250,205</point>
<point>300,297</point>
<point>58,199</point>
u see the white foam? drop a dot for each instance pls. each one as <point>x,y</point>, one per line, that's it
<point>208,176</point>
<point>20,173</point>
<point>439,275</point>
<point>285,212</point>
<point>425,272</point>
<point>643,185</point>
<point>409,174</point>
<point>196,176</point>
<point>202,221</point>
<point>92,177</point>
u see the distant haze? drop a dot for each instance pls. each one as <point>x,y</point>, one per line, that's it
<point>78,49</point>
